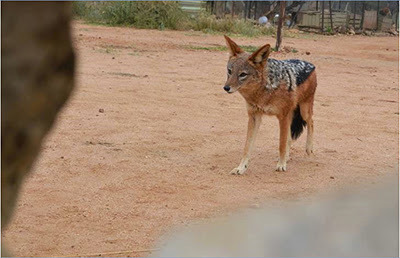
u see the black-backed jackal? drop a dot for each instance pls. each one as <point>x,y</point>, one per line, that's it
<point>284,89</point>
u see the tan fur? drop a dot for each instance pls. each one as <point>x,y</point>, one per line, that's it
<point>278,102</point>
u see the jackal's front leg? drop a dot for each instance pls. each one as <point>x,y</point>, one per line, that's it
<point>284,142</point>
<point>252,129</point>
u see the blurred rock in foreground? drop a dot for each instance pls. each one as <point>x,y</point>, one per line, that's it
<point>37,68</point>
<point>363,223</point>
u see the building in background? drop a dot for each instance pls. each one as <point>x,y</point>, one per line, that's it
<point>359,15</point>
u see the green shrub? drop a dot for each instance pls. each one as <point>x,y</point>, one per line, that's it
<point>164,14</point>
<point>209,24</point>
<point>146,15</point>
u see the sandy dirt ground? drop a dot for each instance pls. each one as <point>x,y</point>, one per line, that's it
<point>149,137</point>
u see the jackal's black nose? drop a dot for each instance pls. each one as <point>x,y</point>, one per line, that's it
<point>227,88</point>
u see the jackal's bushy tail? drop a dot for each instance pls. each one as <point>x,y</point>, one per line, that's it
<point>297,123</point>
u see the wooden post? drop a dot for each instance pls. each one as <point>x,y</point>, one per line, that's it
<point>233,8</point>
<point>330,14</point>
<point>323,16</point>
<point>250,6</point>
<point>340,5</point>
<point>280,23</point>
<point>225,2</point>
<point>362,15</point>
<point>354,15</point>
<point>316,6</point>
<point>377,17</point>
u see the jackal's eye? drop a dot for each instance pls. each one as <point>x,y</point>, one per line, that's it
<point>229,71</point>
<point>242,75</point>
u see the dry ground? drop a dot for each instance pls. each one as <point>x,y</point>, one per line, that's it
<point>160,153</point>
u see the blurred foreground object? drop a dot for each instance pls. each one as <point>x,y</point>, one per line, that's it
<point>37,68</point>
<point>357,224</point>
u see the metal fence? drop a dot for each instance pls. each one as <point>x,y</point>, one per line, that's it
<point>376,15</point>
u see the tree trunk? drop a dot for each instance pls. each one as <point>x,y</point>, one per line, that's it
<point>41,45</point>
<point>225,2</point>
<point>250,4</point>
<point>280,24</point>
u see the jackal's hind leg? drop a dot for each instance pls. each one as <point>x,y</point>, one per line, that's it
<point>289,144</point>
<point>306,110</point>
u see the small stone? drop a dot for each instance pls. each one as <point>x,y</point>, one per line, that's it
<point>332,177</point>
<point>287,49</point>
<point>367,33</point>
<point>308,53</point>
<point>342,29</point>
<point>101,110</point>
<point>393,32</point>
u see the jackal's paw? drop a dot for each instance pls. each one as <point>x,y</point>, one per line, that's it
<point>238,171</point>
<point>281,167</point>
<point>309,147</point>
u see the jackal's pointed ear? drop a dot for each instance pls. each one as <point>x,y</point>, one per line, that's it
<point>233,48</point>
<point>260,57</point>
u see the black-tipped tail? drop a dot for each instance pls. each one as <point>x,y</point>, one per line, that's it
<point>297,123</point>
